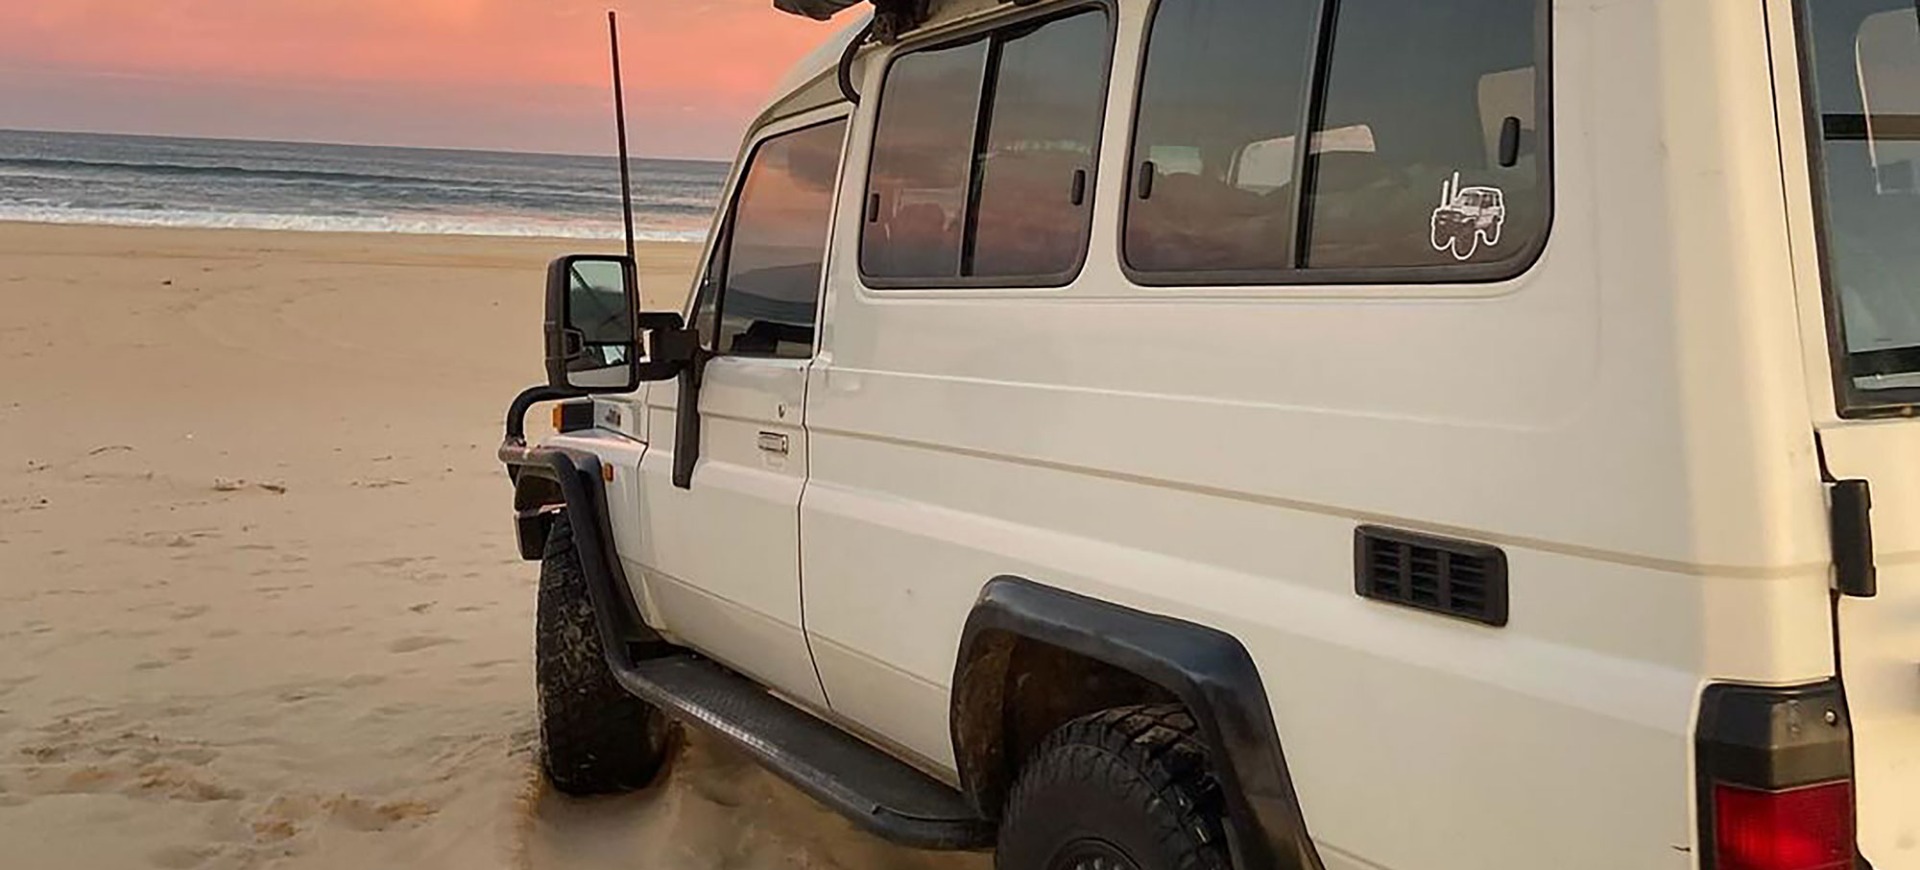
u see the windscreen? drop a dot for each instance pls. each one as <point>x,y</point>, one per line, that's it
<point>1864,56</point>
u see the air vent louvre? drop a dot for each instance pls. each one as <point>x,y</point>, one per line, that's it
<point>1453,578</point>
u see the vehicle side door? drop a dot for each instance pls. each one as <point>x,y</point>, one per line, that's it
<point>721,557</point>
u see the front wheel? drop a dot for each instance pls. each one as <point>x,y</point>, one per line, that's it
<point>595,738</point>
<point>1123,789</point>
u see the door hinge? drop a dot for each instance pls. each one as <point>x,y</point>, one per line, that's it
<point>1851,525</point>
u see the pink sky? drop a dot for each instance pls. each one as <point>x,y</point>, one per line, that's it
<point>508,74</point>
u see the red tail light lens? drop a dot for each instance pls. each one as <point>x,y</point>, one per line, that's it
<point>1808,828</point>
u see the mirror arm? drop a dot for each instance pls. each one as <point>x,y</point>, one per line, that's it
<point>517,412</point>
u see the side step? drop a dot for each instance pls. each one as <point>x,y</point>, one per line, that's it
<point>868,786</point>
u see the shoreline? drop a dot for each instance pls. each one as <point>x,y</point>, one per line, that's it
<point>12,223</point>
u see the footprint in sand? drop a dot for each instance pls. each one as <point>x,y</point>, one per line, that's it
<point>361,814</point>
<point>287,816</point>
<point>182,857</point>
<point>190,612</point>
<point>297,694</point>
<point>94,756</point>
<point>175,655</point>
<point>170,781</point>
<point>417,643</point>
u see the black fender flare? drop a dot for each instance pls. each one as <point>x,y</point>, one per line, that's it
<point>578,475</point>
<point>1206,669</point>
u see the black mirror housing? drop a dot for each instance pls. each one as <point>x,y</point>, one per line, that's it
<point>591,343</point>
<point>597,340</point>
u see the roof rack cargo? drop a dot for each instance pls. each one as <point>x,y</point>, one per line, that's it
<point>891,18</point>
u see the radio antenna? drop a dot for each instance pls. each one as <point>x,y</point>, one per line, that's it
<point>620,121</point>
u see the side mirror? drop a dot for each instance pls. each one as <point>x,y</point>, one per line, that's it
<point>595,332</point>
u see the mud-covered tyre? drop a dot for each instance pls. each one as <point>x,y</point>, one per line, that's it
<point>1123,789</point>
<point>595,738</point>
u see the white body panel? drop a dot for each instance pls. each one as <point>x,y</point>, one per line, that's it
<point>1206,453</point>
<point>722,559</point>
<point>1632,421</point>
<point>1880,640</point>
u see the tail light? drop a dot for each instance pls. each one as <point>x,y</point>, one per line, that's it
<point>1775,779</point>
<point>1809,828</point>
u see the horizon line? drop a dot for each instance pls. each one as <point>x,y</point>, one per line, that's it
<point>610,154</point>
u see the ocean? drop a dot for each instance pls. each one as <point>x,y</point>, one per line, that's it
<point>154,181</point>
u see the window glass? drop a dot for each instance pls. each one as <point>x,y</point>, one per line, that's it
<point>1219,111</point>
<point>776,245</point>
<point>922,157</point>
<point>1421,99</point>
<point>1865,56</point>
<point>1035,173</point>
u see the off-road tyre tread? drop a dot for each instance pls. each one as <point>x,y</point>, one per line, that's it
<point>595,737</point>
<point>1151,760</point>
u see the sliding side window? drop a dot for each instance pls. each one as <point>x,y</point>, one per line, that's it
<point>983,158</point>
<point>1213,138</point>
<point>1424,163</point>
<point>1427,151</point>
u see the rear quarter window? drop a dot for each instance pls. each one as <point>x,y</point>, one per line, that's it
<point>1864,57</point>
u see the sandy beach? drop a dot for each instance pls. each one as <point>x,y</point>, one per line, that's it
<point>259,600</point>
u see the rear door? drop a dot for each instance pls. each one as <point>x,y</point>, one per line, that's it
<point>1862,59</point>
<point>722,557</point>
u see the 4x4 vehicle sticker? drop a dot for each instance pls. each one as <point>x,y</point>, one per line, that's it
<point>1467,218</point>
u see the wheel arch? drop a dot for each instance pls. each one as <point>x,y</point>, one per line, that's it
<point>537,498</point>
<point>557,480</point>
<point>1121,650</point>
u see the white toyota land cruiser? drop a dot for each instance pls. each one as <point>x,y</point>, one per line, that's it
<point>1056,457</point>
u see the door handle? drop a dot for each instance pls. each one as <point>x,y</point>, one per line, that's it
<point>773,442</point>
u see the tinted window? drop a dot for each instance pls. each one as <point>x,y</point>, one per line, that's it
<point>776,245</point>
<point>1408,166</point>
<point>1865,56</point>
<point>988,180</point>
<point>1219,110</point>
<point>1425,151</point>
<point>922,157</point>
<point>1036,171</point>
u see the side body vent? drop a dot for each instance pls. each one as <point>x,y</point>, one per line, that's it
<point>1452,578</point>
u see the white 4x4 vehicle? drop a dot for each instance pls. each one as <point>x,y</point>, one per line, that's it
<point>1019,477</point>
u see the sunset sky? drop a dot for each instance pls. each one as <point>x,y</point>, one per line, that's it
<point>505,74</point>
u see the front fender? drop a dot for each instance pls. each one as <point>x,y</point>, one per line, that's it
<point>577,475</point>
